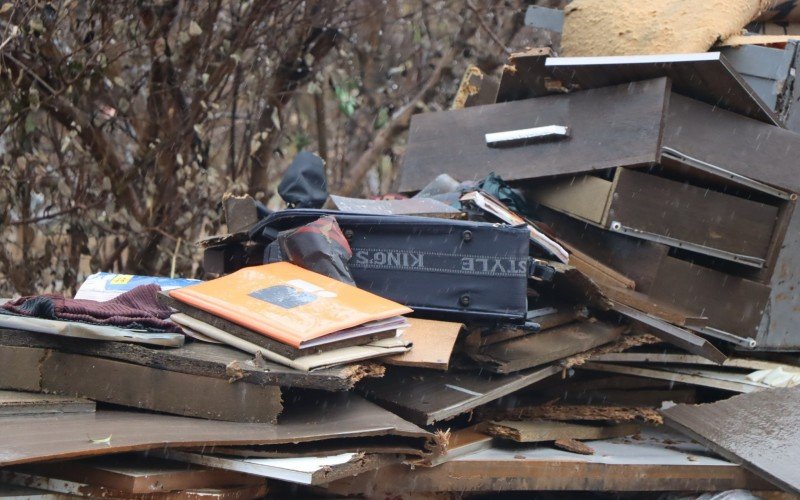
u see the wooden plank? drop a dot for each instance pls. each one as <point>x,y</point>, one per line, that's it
<point>432,344</point>
<point>425,398</point>
<point>634,258</point>
<point>544,347</point>
<point>138,474</point>
<point>610,127</point>
<point>585,197</point>
<point>661,461</point>
<point>300,470</point>
<point>654,307</point>
<point>687,359</point>
<point>732,304</point>
<point>673,334</point>
<point>195,358</point>
<point>733,382</point>
<point>68,436</point>
<point>31,403</point>
<point>534,431</point>
<point>758,430</point>
<point>736,143</point>
<point>154,389</point>
<point>678,210</point>
<point>26,375</point>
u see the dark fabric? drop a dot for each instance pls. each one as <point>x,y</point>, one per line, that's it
<point>304,184</point>
<point>318,246</point>
<point>136,309</point>
<point>495,186</point>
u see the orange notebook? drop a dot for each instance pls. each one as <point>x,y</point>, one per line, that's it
<point>288,303</point>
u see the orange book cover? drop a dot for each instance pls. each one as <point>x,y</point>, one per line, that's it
<point>287,303</point>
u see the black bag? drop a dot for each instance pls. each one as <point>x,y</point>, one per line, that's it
<point>460,269</point>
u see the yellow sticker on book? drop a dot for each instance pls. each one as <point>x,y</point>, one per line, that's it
<point>121,279</point>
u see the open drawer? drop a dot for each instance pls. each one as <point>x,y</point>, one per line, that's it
<point>674,213</point>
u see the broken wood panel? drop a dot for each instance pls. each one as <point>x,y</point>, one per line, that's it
<point>609,127</point>
<point>705,76</point>
<point>733,382</point>
<point>476,88</point>
<point>459,443</point>
<point>432,344</point>
<point>733,142</point>
<point>31,403</point>
<point>138,474</point>
<point>732,304</point>
<point>589,413</point>
<point>653,307</point>
<point>72,489</point>
<point>26,374</point>
<point>695,215</point>
<point>160,390</point>
<point>524,75</point>
<point>195,358</point>
<point>544,347</point>
<point>758,430</point>
<point>425,398</point>
<point>534,431</point>
<point>300,470</point>
<point>501,333</point>
<point>68,436</point>
<point>673,334</point>
<point>661,461</point>
<point>635,258</point>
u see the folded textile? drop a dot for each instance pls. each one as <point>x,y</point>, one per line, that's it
<point>136,309</point>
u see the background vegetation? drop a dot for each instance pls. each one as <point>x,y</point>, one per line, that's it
<point>123,122</point>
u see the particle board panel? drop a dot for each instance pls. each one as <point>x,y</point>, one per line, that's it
<point>758,430</point>
<point>654,307</point>
<point>148,388</point>
<point>432,344</point>
<point>706,76</point>
<point>26,375</point>
<point>32,403</point>
<point>535,431</point>
<point>660,461</point>
<point>544,347</point>
<point>733,142</point>
<point>68,436</point>
<point>609,127</point>
<point>730,303</point>
<point>524,77</point>
<point>210,360</point>
<point>138,474</point>
<point>425,398</point>
<point>688,359</point>
<point>300,470</point>
<point>678,210</point>
<point>585,197</point>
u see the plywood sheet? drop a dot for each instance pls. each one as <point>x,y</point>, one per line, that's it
<point>67,436</point>
<point>425,398</point>
<point>545,347</point>
<point>609,127</point>
<point>432,344</point>
<point>195,358</point>
<point>758,430</point>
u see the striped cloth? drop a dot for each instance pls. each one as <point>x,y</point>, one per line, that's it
<point>136,309</point>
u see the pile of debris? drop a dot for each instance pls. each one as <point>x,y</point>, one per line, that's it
<point>592,288</point>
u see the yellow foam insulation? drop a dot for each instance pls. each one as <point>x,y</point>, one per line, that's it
<point>628,27</point>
